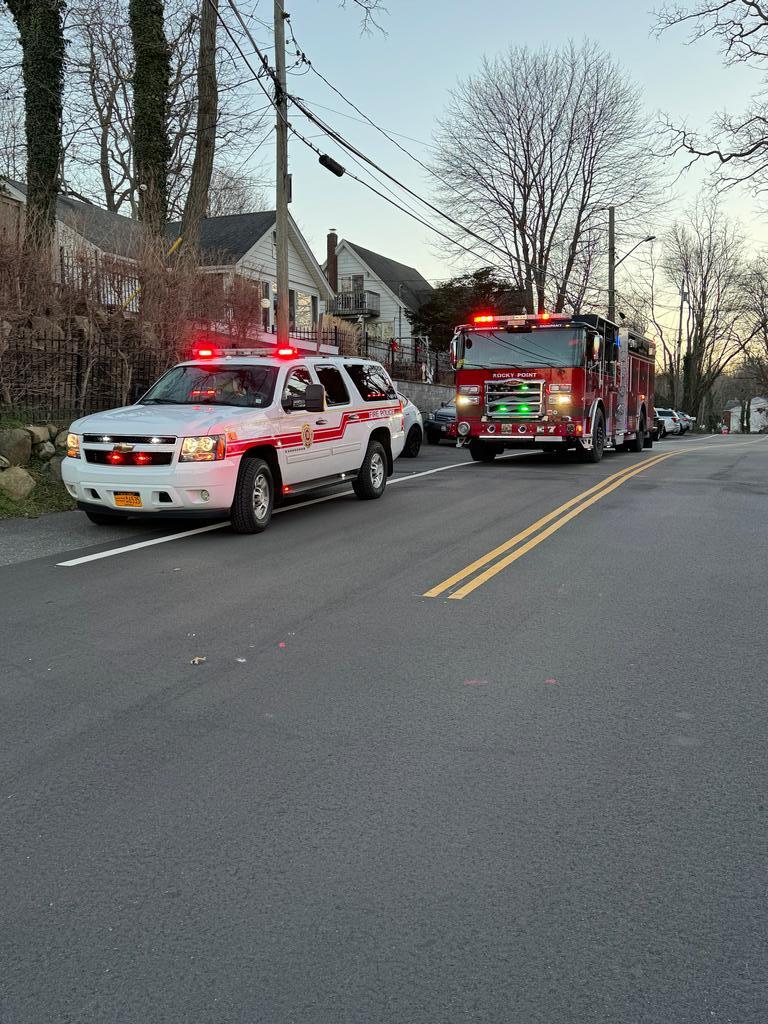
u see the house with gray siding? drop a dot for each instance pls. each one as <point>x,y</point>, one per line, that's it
<point>375,291</point>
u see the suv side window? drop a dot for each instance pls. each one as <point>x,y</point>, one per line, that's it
<point>372,382</point>
<point>335,389</point>
<point>294,391</point>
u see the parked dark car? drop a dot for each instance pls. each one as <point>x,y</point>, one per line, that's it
<point>440,425</point>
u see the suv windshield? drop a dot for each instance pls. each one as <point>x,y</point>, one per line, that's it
<point>547,346</point>
<point>242,386</point>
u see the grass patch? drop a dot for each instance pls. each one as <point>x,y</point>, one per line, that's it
<point>48,496</point>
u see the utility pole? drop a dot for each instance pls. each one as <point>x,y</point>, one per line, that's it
<point>612,264</point>
<point>281,178</point>
<point>676,383</point>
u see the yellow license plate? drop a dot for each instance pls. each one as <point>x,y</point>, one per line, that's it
<point>127,499</point>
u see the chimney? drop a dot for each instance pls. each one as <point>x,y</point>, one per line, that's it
<point>332,266</point>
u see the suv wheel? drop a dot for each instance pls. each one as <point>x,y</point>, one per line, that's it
<point>372,477</point>
<point>413,442</point>
<point>104,518</point>
<point>254,498</point>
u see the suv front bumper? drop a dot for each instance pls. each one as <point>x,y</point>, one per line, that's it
<point>179,488</point>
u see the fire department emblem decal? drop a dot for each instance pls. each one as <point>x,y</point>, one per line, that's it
<point>307,435</point>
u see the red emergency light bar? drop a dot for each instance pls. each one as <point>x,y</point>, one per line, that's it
<point>486,318</point>
<point>287,353</point>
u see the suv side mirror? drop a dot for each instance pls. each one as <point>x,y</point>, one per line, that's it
<point>314,396</point>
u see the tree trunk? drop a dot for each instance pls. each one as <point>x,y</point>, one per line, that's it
<point>151,87</point>
<point>41,32</point>
<point>205,139</point>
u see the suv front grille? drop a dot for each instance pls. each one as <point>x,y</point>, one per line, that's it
<point>516,399</point>
<point>101,458</point>
<point>127,439</point>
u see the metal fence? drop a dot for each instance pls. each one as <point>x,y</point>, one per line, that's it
<point>56,380</point>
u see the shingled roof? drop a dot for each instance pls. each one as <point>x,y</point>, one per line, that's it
<point>225,240</point>
<point>110,232</point>
<point>406,282</point>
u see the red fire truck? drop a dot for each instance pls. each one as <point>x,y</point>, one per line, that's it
<point>552,381</point>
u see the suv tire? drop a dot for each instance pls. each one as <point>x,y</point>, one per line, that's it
<point>372,476</point>
<point>254,498</point>
<point>412,442</point>
<point>104,518</point>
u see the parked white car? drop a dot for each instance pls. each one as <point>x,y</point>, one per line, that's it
<point>670,421</point>
<point>413,427</point>
<point>231,434</point>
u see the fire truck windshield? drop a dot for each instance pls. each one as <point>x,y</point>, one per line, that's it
<point>546,346</point>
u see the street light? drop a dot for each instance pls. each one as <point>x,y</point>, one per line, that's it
<point>650,238</point>
<point>613,262</point>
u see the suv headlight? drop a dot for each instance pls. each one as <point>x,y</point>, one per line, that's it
<point>73,446</point>
<point>208,448</point>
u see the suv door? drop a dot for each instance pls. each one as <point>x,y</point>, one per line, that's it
<point>339,420</point>
<point>303,455</point>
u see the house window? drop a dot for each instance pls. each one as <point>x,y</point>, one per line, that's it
<point>304,317</point>
<point>352,283</point>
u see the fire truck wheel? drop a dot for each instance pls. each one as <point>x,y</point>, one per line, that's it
<point>638,441</point>
<point>413,442</point>
<point>372,478</point>
<point>595,453</point>
<point>254,498</point>
<point>481,451</point>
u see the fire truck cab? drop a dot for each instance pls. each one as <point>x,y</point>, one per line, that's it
<point>552,381</point>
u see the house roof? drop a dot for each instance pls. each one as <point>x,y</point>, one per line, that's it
<point>404,281</point>
<point>225,240</point>
<point>110,232</point>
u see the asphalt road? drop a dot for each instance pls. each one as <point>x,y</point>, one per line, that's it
<point>538,796</point>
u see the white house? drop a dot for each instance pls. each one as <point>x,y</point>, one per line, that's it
<point>237,246</point>
<point>244,245</point>
<point>758,416</point>
<point>376,290</point>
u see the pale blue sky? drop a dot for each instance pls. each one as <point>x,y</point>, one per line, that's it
<point>402,80</point>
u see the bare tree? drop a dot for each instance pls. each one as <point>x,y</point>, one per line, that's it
<point>532,151</point>
<point>738,142</point>
<point>705,252</point>
<point>100,104</point>
<point>233,192</point>
<point>205,134</point>
<point>12,142</point>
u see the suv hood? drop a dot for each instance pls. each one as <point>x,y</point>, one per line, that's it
<point>180,420</point>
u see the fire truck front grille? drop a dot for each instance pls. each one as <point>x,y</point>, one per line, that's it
<point>516,399</point>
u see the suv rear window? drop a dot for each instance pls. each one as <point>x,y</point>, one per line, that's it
<point>372,382</point>
<point>335,389</point>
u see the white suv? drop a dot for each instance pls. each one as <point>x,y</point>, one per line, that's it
<point>232,433</point>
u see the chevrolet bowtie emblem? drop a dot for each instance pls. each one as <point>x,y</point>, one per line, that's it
<point>124,448</point>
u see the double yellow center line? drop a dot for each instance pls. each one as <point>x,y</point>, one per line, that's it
<point>488,565</point>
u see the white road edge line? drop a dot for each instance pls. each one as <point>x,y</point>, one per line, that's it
<point>220,526</point>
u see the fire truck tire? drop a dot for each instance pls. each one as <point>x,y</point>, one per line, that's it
<point>372,478</point>
<point>638,441</point>
<point>254,497</point>
<point>481,451</point>
<point>412,442</point>
<point>595,453</point>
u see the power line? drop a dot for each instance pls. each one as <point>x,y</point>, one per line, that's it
<point>345,144</point>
